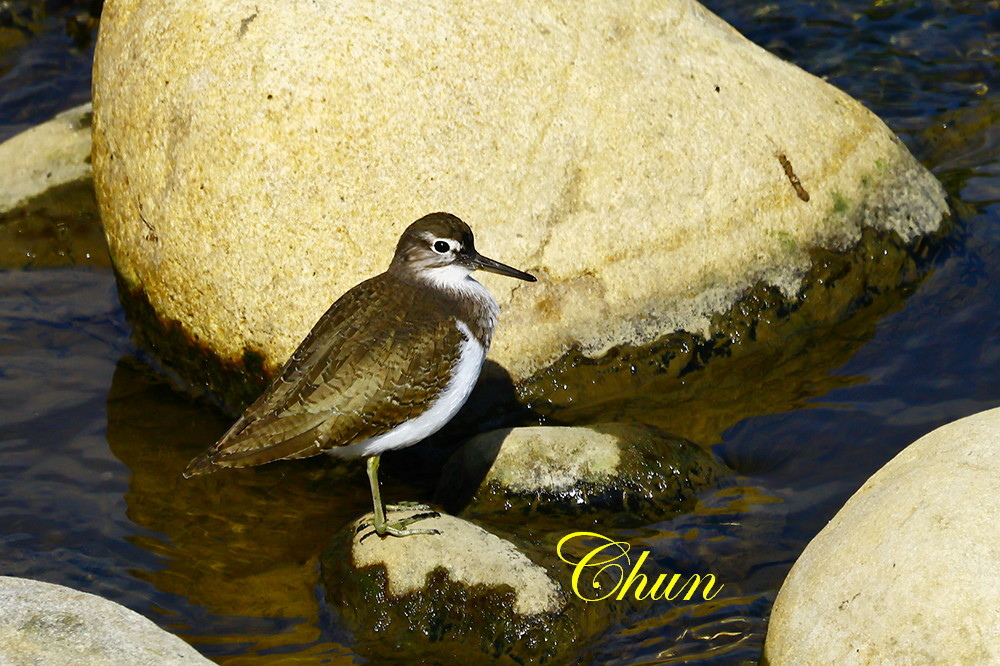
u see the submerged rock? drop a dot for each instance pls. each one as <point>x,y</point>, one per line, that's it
<point>597,470</point>
<point>908,570</point>
<point>642,159</point>
<point>42,623</point>
<point>462,596</point>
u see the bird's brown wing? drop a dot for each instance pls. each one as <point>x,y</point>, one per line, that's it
<point>367,365</point>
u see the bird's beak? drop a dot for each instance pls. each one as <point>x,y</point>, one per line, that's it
<point>492,266</point>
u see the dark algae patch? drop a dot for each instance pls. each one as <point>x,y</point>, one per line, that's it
<point>446,622</point>
<point>235,383</point>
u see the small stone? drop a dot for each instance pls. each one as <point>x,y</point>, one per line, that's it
<point>597,469</point>
<point>42,623</point>
<point>908,571</point>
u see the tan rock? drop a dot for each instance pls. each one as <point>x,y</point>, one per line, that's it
<point>464,596</point>
<point>469,556</point>
<point>255,161</point>
<point>908,571</point>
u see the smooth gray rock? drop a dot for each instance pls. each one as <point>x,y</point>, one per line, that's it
<point>42,623</point>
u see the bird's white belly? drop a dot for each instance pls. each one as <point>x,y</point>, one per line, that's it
<point>443,409</point>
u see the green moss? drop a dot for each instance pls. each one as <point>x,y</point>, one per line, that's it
<point>839,202</point>
<point>786,239</point>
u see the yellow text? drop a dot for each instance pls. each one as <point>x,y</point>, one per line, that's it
<point>609,571</point>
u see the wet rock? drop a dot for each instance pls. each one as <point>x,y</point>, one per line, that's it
<point>909,568</point>
<point>597,470</point>
<point>54,153</point>
<point>48,211</point>
<point>644,161</point>
<point>42,623</point>
<point>462,596</point>
<point>60,227</point>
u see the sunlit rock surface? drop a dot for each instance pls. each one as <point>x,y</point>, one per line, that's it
<point>464,594</point>
<point>42,623</point>
<point>908,571</point>
<point>597,470</point>
<point>46,156</point>
<point>647,162</point>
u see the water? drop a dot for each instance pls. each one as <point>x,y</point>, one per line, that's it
<point>93,438</point>
<point>46,48</point>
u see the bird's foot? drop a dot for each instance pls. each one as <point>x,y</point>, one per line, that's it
<point>411,506</point>
<point>399,528</point>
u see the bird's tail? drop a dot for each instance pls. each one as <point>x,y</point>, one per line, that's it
<point>248,444</point>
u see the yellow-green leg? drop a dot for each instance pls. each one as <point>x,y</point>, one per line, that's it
<point>398,528</point>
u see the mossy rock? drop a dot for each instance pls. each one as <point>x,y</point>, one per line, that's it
<point>462,596</point>
<point>598,470</point>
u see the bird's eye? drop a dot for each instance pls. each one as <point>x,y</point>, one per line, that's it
<point>441,247</point>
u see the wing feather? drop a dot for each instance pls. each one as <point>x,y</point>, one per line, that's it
<point>367,365</point>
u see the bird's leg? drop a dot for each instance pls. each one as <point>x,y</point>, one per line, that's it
<point>397,528</point>
<point>379,515</point>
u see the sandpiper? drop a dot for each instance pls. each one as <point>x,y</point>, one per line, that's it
<point>388,365</point>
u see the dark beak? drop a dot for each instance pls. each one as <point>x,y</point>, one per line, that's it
<point>491,266</point>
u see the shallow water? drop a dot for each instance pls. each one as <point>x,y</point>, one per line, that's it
<point>93,438</point>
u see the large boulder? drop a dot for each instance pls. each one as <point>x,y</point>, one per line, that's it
<point>647,162</point>
<point>908,571</point>
<point>42,623</point>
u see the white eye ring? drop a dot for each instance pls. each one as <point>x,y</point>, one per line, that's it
<point>441,246</point>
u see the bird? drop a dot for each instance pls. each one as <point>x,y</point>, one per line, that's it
<point>389,364</point>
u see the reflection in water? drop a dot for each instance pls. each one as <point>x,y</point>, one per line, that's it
<point>242,544</point>
<point>60,489</point>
